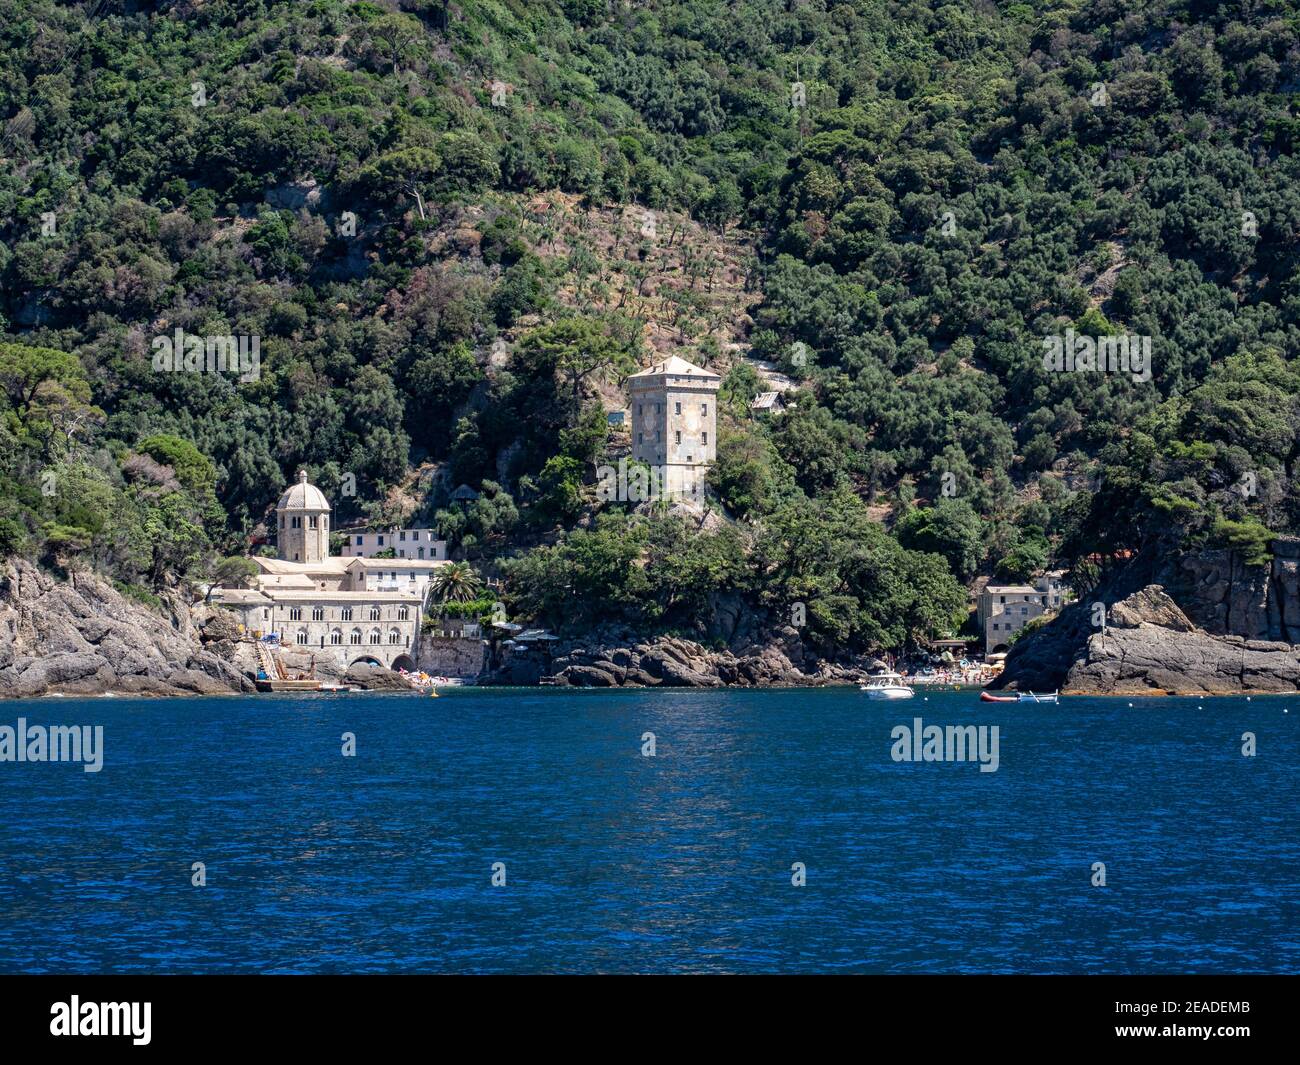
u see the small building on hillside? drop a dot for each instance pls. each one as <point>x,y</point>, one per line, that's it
<point>1002,610</point>
<point>404,543</point>
<point>767,403</point>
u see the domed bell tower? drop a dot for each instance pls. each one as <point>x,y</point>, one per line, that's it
<point>303,523</point>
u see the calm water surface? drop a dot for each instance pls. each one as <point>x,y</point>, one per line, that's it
<point>617,862</point>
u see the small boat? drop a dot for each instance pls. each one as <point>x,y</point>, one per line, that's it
<point>1017,697</point>
<point>887,686</point>
<point>300,684</point>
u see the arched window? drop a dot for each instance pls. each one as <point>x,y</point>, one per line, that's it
<point>394,636</point>
<point>354,636</point>
<point>347,613</point>
<point>336,636</point>
<point>300,637</point>
<point>403,613</point>
<point>374,613</point>
<point>376,636</point>
<point>318,613</point>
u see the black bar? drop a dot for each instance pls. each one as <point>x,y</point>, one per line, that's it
<point>986,1014</point>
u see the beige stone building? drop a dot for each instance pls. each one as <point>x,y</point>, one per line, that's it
<point>344,610</point>
<point>674,424</point>
<point>1002,610</point>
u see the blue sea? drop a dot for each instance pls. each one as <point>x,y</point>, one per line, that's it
<point>614,861</point>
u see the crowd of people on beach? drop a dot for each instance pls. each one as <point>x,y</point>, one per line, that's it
<point>421,679</point>
<point>930,672</point>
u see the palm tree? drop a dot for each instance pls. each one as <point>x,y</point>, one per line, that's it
<point>456,582</point>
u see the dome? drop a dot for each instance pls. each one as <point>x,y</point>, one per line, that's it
<point>302,496</point>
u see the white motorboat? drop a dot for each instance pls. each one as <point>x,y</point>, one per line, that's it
<point>887,686</point>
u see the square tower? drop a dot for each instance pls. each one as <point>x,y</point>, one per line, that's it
<point>674,424</point>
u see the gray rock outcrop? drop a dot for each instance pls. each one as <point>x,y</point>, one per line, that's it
<point>81,636</point>
<point>1149,646</point>
<point>674,662</point>
<point>376,678</point>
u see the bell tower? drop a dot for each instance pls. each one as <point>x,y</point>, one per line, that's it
<point>302,523</point>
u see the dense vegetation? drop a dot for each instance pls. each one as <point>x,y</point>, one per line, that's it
<point>929,190</point>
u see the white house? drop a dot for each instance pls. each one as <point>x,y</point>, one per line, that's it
<point>404,543</point>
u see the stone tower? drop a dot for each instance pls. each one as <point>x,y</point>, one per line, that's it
<point>674,424</point>
<point>303,521</point>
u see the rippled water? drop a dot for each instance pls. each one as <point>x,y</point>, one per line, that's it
<point>681,862</point>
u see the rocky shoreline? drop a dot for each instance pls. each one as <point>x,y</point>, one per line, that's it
<point>616,659</point>
<point>1149,647</point>
<point>80,636</point>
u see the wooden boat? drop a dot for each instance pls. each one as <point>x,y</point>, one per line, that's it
<point>1017,697</point>
<point>277,685</point>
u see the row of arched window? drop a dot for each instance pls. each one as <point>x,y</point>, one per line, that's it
<point>318,613</point>
<point>354,637</point>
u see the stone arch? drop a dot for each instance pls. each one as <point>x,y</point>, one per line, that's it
<point>1001,648</point>
<point>367,660</point>
<point>404,662</point>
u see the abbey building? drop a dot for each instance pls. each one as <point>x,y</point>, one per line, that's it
<point>343,609</point>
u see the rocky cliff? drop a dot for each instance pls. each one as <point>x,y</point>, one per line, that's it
<point>81,636</point>
<point>618,659</point>
<point>1149,646</point>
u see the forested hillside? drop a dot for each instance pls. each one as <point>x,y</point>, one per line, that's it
<point>453,228</point>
